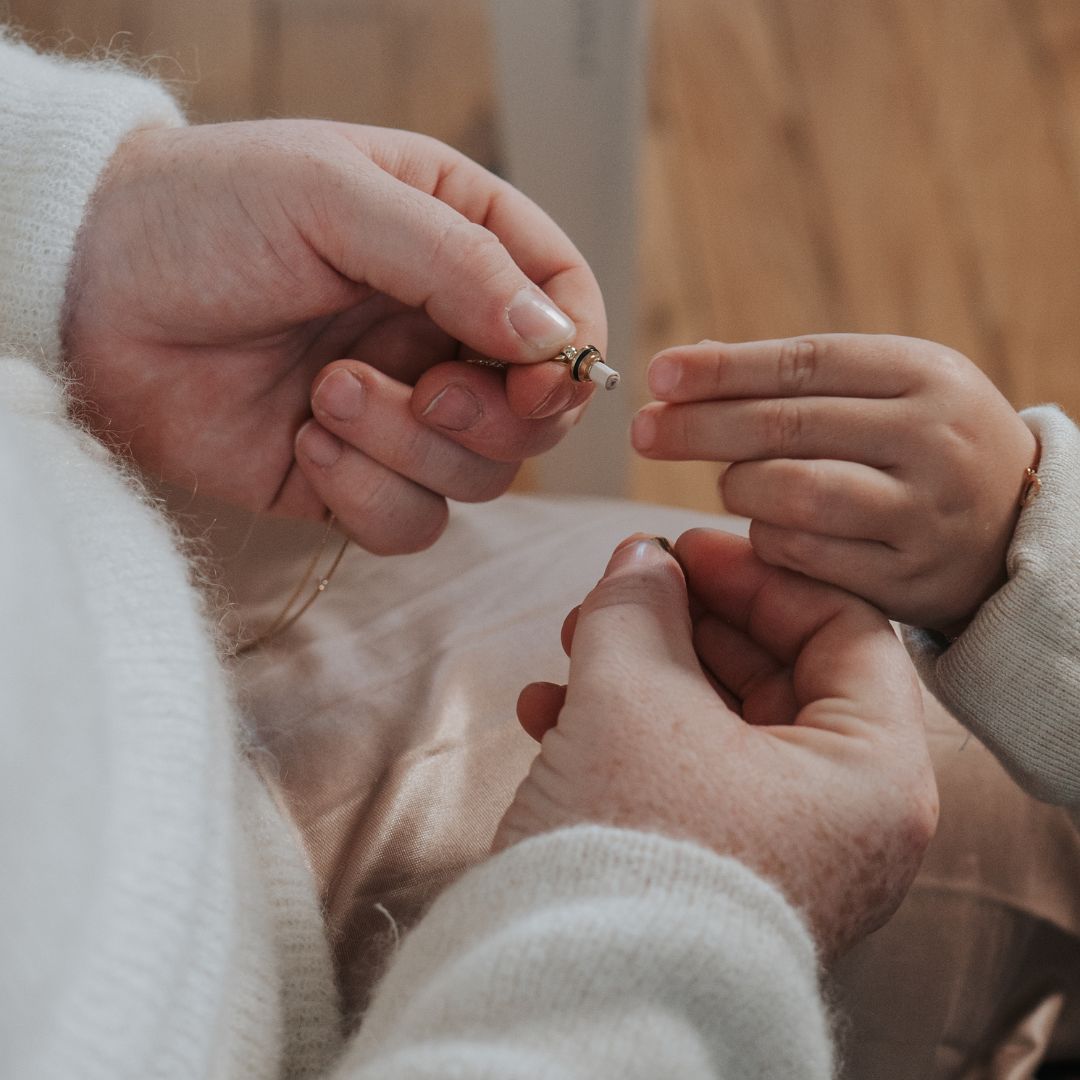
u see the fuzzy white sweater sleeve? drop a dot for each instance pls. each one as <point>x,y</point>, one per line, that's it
<point>157,917</point>
<point>1013,676</point>
<point>597,952</point>
<point>59,124</point>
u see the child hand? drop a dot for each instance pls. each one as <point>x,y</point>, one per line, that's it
<point>889,466</point>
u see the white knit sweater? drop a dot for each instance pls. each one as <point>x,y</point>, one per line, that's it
<point>157,918</point>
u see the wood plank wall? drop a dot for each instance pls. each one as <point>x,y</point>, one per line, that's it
<point>910,166</point>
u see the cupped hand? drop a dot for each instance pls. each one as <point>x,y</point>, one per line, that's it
<point>781,724</point>
<point>889,466</point>
<point>221,268</point>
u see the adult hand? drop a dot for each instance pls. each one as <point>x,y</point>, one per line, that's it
<point>795,743</point>
<point>221,268</point>
<point>889,466</point>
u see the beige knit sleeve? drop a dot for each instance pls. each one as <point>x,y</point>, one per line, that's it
<point>600,953</point>
<point>1013,676</point>
<point>60,122</point>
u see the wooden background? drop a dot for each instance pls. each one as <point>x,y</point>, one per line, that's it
<point>910,166</point>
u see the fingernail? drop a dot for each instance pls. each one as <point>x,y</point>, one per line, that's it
<point>664,375</point>
<point>639,554</point>
<point>340,395</point>
<point>318,445</point>
<point>643,430</point>
<point>454,408</point>
<point>538,322</point>
<point>557,399</point>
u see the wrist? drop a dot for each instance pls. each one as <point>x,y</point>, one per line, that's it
<point>1023,489</point>
<point>112,230</point>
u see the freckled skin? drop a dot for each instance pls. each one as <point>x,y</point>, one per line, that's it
<point>833,798</point>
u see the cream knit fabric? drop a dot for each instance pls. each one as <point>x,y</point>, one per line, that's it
<point>60,126</point>
<point>594,953</point>
<point>157,918</point>
<point>1013,676</point>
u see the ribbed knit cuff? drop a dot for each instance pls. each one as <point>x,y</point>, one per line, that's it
<point>562,933</point>
<point>602,862</point>
<point>60,122</point>
<point>1013,676</point>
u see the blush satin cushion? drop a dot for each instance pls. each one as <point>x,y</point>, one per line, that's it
<point>384,720</point>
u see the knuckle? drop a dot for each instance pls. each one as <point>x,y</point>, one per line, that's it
<point>677,430</point>
<point>482,484</point>
<point>466,249</point>
<point>796,551</point>
<point>782,547</point>
<point>797,362</point>
<point>948,371</point>
<point>416,450</point>
<point>423,149</point>
<point>718,369</point>
<point>404,531</point>
<point>805,495</point>
<point>913,564</point>
<point>948,363</point>
<point>322,170</point>
<point>375,495</point>
<point>684,432</point>
<point>782,423</point>
<point>436,516</point>
<point>917,819</point>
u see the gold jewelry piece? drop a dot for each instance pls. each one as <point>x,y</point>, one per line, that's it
<point>484,361</point>
<point>587,365</point>
<point>1032,487</point>
<point>286,617</point>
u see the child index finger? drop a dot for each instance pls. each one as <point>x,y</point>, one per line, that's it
<point>834,365</point>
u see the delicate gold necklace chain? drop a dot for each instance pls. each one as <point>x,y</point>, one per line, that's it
<point>584,364</point>
<point>287,616</point>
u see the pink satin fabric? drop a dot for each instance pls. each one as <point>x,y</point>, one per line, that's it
<point>385,720</point>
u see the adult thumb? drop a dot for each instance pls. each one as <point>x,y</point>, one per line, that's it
<point>633,627</point>
<point>425,251</point>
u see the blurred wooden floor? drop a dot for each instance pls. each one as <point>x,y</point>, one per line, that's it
<point>910,166</point>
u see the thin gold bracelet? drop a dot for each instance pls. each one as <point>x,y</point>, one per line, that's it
<point>1032,487</point>
<point>286,617</point>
